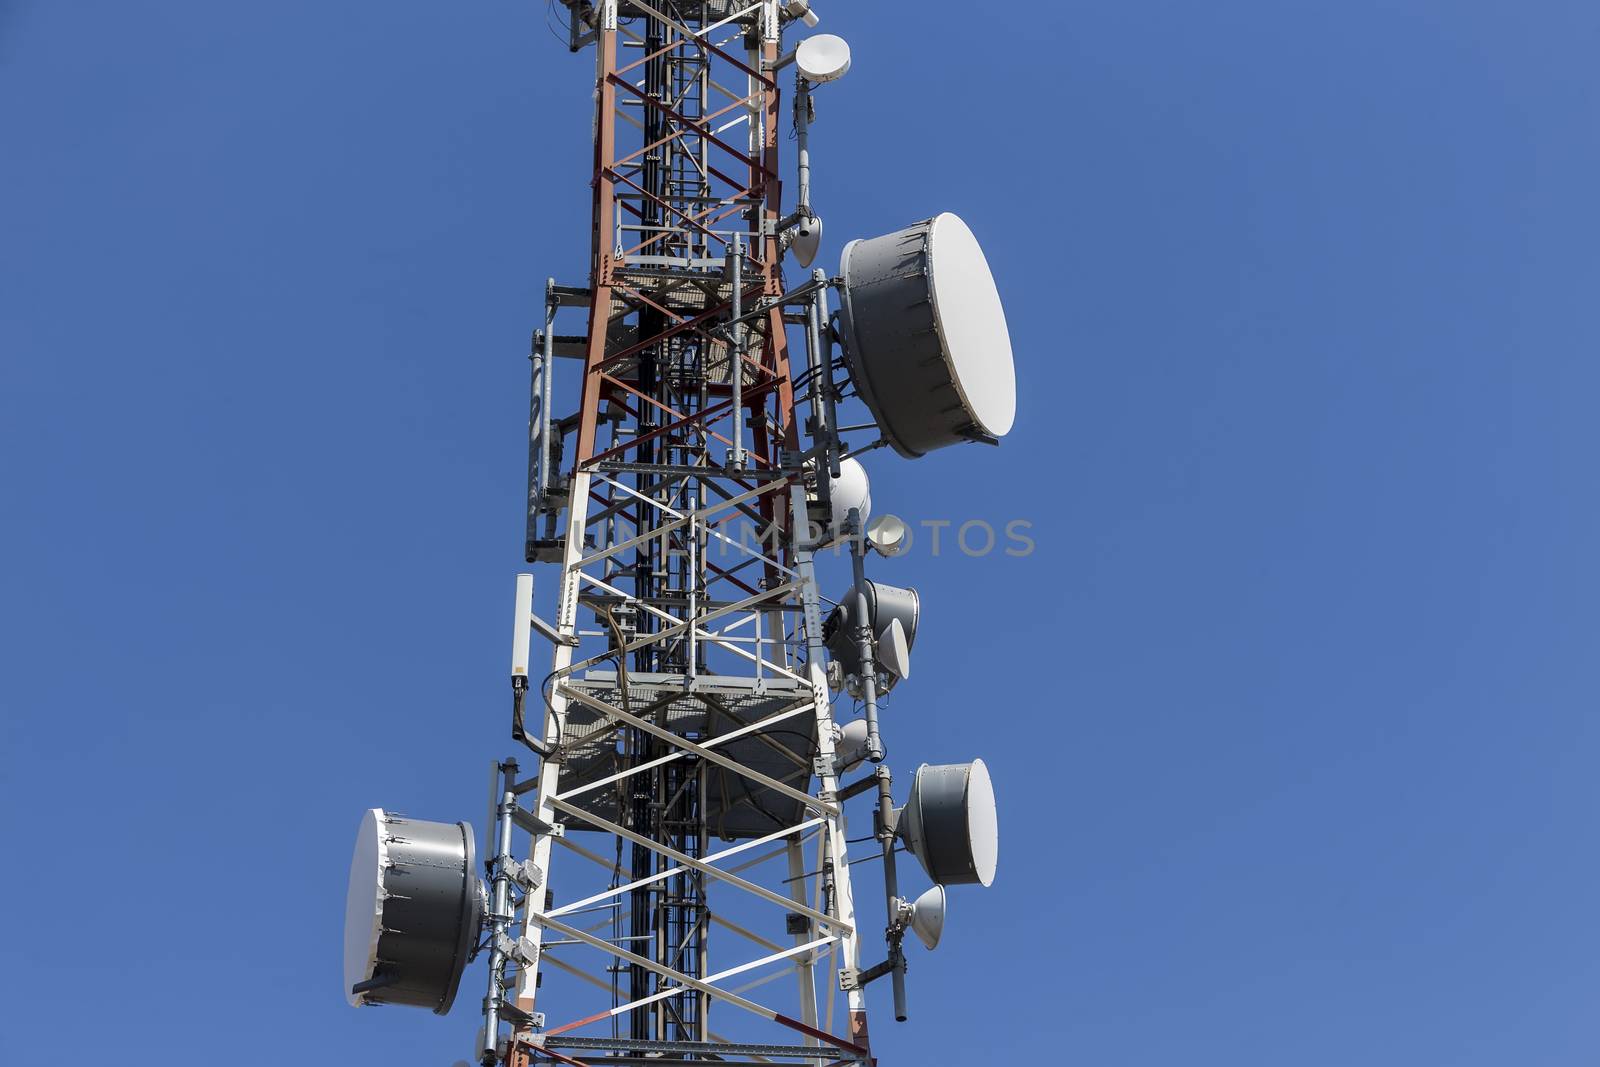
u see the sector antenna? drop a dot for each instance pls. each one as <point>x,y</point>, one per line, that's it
<point>667,875</point>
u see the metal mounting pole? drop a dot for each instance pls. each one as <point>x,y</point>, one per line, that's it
<point>547,383</point>
<point>864,636</point>
<point>802,141</point>
<point>736,350</point>
<point>539,384</point>
<point>821,341</point>
<point>885,829</point>
<point>819,391</point>
<point>499,915</point>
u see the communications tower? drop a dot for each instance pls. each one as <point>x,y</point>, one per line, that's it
<point>667,873</point>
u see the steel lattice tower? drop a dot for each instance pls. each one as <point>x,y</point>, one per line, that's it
<point>688,719</point>
<point>686,842</point>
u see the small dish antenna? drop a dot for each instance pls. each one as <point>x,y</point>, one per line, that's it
<point>822,58</point>
<point>893,652</point>
<point>925,916</point>
<point>949,823</point>
<point>888,535</point>
<point>852,489</point>
<point>851,747</point>
<point>807,239</point>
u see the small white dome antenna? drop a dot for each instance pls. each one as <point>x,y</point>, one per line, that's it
<point>888,535</point>
<point>823,58</point>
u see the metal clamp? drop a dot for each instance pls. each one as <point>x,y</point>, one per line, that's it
<point>534,825</point>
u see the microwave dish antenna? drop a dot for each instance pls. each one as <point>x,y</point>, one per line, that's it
<point>950,823</point>
<point>412,911</point>
<point>851,490</point>
<point>823,58</point>
<point>925,916</point>
<point>888,535</point>
<point>807,239</point>
<point>885,604</point>
<point>926,337</point>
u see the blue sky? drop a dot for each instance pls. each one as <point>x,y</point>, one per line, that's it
<point>1292,712</point>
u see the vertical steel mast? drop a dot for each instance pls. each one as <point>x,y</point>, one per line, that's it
<point>686,803</point>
